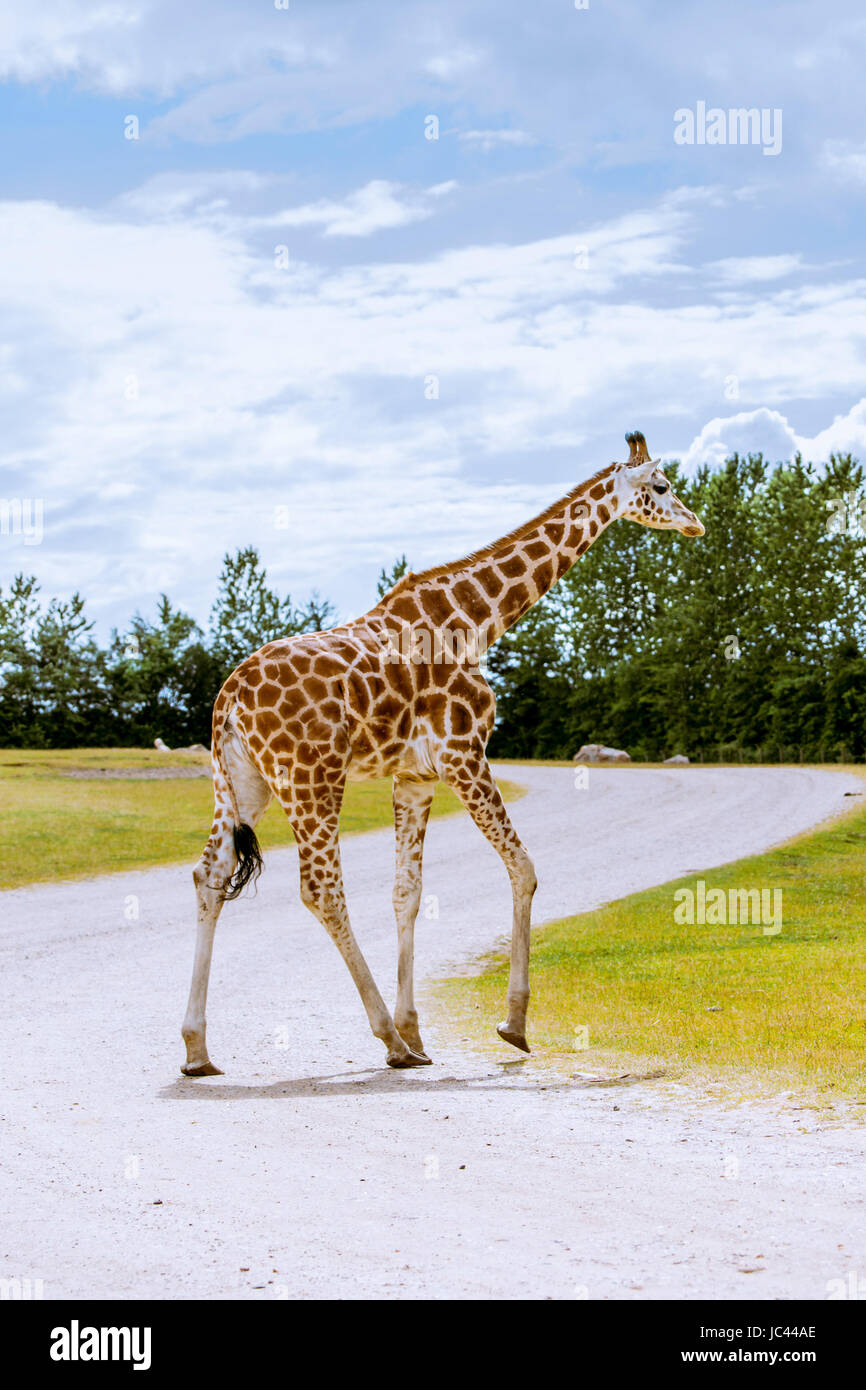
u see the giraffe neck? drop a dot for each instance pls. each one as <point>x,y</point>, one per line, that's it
<point>493,588</point>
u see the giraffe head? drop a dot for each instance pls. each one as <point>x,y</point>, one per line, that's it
<point>649,498</point>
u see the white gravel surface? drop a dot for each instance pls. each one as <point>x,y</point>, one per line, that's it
<point>311,1170</point>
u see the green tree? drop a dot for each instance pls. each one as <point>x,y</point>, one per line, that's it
<point>316,615</point>
<point>163,679</point>
<point>248,612</point>
<point>388,578</point>
<point>50,669</point>
<point>752,637</point>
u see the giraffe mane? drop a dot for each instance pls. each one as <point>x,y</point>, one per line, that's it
<point>487,551</point>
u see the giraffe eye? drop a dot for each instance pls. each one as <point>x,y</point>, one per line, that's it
<point>660,487</point>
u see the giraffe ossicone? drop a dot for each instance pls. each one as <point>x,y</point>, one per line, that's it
<point>393,693</point>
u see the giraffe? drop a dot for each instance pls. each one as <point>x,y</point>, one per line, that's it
<point>397,692</point>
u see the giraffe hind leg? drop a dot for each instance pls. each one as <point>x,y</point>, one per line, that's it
<point>314,812</point>
<point>226,858</point>
<point>322,893</point>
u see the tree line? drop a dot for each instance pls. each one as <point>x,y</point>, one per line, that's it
<point>60,689</point>
<point>749,643</point>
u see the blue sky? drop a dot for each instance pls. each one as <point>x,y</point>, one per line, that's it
<point>175,386</point>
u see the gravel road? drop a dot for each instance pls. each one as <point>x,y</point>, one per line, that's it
<point>311,1170</point>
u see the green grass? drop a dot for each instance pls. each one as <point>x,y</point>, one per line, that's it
<point>53,826</point>
<point>713,1005</point>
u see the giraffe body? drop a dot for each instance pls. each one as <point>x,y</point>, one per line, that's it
<point>398,692</point>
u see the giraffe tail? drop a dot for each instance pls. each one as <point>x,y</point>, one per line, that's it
<point>250,863</point>
<point>247,848</point>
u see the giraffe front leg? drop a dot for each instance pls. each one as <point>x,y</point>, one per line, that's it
<point>523,885</point>
<point>471,778</point>
<point>411,810</point>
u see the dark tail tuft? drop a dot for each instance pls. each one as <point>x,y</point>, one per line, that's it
<point>249,862</point>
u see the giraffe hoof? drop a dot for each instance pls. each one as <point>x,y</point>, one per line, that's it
<point>516,1039</point>
<point>411,1059</point>
<point>206,1069</point>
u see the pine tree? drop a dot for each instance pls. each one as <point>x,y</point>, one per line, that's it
<point>388,578</point>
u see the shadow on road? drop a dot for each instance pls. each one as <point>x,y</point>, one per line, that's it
<point>506,1078</point>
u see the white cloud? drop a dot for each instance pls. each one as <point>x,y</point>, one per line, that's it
<point>56,40</point>
<point>226,70</point>
<point>847,434</point>
<point>769,432</point>
<point>846,159</point>
<point>749,431</point>
<point>254,387</point>
<point>447,66</point>
<point>179,191</point>
<point>370,209</point>
<point>213,196</point>
<point>750,269</point>
<point>305,387</point>
<point>487,140</point>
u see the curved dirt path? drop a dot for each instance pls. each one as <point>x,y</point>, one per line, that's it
<point>310,1170</point>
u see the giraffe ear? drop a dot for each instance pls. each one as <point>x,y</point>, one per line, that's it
<point>642,472</point>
